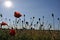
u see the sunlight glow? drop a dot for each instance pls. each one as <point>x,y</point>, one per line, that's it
<point>8,4</point>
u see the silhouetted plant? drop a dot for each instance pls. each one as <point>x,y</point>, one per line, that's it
<point>50,26</point>
<point>41,26</point>
<point>34,25</point>
<point>9,23</point>
<point>53,21</point>
<point>32,22</point>
<point>24,21</point>
<point>37,24</point>
<point>23,25</point>
<point>58,23</point>
<point>13,24</point>
<point>43,22</point>
<point>27,24</point>
<point>33,17</point>
<point>1,15</point>
<point>17,15</point>
<point>19,21</point>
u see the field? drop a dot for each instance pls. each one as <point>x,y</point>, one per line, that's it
<point>30,35</point>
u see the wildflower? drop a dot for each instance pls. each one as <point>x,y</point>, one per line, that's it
<point>12,32</point>
<point>17,14</point>
<point>3,23</point>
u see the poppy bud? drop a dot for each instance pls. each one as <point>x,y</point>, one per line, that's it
<point>57,18</point>
<point>43,16</point>
<point>37,22</point>
<point>0,15</point>
<point>33,17</point>
<point>52,15</point>
<point>41,25</point>
<point>24,15</point>
<point>22,21</point>
<point>39,19</point>
<point>27,23</point>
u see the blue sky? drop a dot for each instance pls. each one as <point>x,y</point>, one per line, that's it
<point>36,8</point>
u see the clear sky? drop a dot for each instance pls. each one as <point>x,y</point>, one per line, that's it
<point>30,8</point>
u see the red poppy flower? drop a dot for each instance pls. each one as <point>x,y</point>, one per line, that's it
<point>12,32</point>
<point>17,14</point>
<point>3,23</point>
